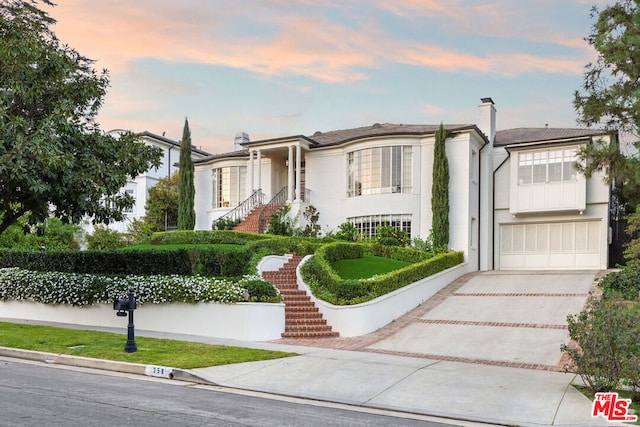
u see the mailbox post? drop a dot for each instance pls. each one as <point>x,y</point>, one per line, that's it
<point>122,306</point>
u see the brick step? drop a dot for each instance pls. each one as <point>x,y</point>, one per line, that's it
<point>292,277</point>
<point>299,334</point>
<point>291,297</point>
<point>295,300</point>
<point>293,292</point>
<point>278,281</point>
<point>299,304</point>
<point>300,309</point>
<point>288,286</point>
<point>317,321</point>
<point>307,328</point>
<point>295,316</point>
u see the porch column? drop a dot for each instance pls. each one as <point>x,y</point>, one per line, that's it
<point>298,173</point>
<point>259,187</point>
<point>290,174</point>
<point>251,188</point>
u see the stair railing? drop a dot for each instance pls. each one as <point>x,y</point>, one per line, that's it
<point>242,210</point>
<point>269,209</point>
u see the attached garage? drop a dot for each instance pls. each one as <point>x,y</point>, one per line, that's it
<point>553,245</point>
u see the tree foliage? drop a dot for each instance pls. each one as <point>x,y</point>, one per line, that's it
<point>610,94</point>
<point>162,204</point>
<point>186,188</point>
<point>440,191</point>
<point>53,154</point>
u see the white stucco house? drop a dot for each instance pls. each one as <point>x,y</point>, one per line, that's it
<point>139,187</point>
<point>516,199</point>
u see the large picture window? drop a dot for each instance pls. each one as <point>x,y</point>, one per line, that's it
<point>547,166</point>
<point>229,186</point>
<point>366,225</point>
<point>379,170</point>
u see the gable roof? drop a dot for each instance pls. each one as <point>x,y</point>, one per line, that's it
<point>171,142</point>
<point>543,135</point>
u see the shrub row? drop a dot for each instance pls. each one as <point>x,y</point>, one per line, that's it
<point>624,283</point>
<point>203,261</point>
<point>211,237</point>
<point>607,351</point>
<point>89,289</point>
<point>326,284</point>
<point>280,245</point>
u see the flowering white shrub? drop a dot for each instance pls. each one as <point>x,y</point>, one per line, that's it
<point>88,289</point>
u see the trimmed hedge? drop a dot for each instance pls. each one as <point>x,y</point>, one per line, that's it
<point>280,245</point>
<point>205,237</point>
<point>326,284</point>
<point>183,262</point>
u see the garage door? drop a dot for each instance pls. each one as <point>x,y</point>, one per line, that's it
<point>558,245</point>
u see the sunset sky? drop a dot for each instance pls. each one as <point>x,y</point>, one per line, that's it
<point>287,67</point>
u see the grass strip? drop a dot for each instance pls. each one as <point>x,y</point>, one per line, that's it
<point>110,346</point>
<point>366,267</point>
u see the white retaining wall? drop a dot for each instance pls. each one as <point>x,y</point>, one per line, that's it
<point>361,319</point>
<point>241,321</point>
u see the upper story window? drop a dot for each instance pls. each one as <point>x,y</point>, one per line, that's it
<point>130,192</point>
<point>379,170</point>
<point>229,186</point>
<point>547,166</point>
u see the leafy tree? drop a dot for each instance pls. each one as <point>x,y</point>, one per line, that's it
<point>53,155</point>
<point>610,94</point>
<point>186,189</point>
<point>53,234</point>
<point>162,204</point>
<point>440,191</point>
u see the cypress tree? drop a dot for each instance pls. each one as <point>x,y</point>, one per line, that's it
<point>186,188</point>
<point>440,192</point>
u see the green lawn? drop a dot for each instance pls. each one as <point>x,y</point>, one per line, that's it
<point>184,246</point>
<point>367,266</point>
<point>109,346</point>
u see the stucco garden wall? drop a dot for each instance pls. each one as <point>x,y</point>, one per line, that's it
<point>241,321</point>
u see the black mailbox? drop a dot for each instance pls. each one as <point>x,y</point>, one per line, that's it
<point>122,305</point>
<point>126,306</point>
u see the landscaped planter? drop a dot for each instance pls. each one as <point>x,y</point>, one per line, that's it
<point>242,321</point>
<point>361,319</point>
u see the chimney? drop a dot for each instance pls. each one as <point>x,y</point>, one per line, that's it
<point>487,118</point>
<point>241,138</point>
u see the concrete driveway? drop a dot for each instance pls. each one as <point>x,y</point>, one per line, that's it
<point>496,318</point>
<point>511,319</point>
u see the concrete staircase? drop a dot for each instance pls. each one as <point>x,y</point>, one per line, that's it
<point>251,223</point>
<point>302,317</point>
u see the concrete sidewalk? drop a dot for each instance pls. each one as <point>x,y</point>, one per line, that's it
<point>482,393</point>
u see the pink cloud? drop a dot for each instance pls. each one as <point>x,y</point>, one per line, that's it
<point>296,43</point>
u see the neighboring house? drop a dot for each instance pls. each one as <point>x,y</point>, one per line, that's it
<point>139,187</point>
<point>516,200</point>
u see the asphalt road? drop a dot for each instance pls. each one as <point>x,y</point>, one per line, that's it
<point>34,394</point>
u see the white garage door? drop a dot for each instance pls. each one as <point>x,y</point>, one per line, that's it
<point>559,245</point>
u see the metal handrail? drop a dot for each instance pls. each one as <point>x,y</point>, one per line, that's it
<point>243,209</point>
<point>269,209</point>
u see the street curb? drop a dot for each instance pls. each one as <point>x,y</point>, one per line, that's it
<point>101,364</point>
